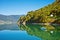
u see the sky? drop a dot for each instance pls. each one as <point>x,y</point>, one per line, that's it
<point>21,7</point>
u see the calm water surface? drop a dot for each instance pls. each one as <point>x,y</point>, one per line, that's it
<point>13,32</point>
<point>29,32</point>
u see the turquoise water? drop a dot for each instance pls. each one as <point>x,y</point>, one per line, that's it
<point>29,32</point>
<point>12,32</point>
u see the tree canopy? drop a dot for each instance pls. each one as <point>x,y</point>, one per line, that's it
<point>43,15</point>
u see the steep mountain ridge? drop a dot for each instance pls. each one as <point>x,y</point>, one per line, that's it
<point>47,14</point>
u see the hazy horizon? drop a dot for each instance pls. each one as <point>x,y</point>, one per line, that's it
<point>21,7</point>
<point>12,14</point>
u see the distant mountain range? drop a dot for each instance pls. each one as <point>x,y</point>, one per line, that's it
<point>9,18</point>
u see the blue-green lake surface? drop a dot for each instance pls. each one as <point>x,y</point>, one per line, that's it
<point>29,32</point>
<point>12,32</point>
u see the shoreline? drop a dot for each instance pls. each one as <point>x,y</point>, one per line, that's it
<point>46,23</point>
<point>42,23</point>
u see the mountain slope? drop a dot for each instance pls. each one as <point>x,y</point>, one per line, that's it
<point>10,18</point>
<point>47,14</point>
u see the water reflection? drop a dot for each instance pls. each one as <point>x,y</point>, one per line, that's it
<point>12,32</point>
<point>9,27</point>
<point>46,32</point>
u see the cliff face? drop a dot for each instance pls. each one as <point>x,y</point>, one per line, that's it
<point>47,14</point>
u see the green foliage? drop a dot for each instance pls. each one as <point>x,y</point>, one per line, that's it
<point>35,30</point>
<point>43,14</point>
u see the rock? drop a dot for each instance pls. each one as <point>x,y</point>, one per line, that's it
<point>51,31</point>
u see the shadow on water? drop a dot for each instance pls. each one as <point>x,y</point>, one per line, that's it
<point>46,32</point>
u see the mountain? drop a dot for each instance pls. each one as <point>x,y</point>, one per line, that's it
<point>8,19</point>
<point>47,14</point>
<point>14,17</point>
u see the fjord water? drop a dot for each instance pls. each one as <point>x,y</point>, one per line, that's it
<point>29,32</point>
<point>13,32</point>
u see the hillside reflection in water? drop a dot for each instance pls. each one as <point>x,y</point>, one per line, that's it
<point>46,32</point>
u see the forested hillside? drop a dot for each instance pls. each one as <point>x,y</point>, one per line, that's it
<point>47,14</point>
